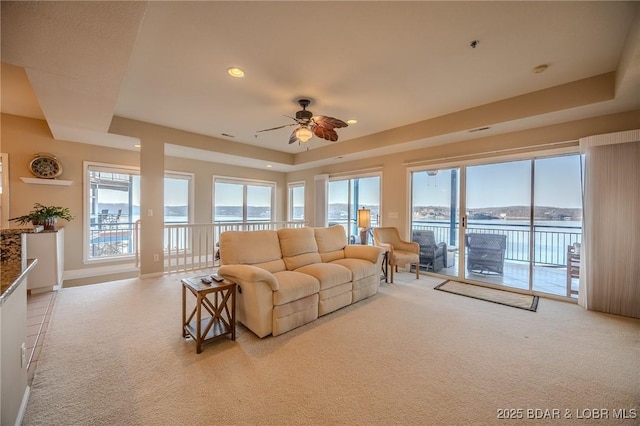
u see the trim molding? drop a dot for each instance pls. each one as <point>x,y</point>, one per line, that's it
<point>99,271</point>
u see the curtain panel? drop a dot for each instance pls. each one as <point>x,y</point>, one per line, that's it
<point>610,269</point>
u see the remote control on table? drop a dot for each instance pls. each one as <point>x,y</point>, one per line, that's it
<point>206,280</point>
<point>217,277</point>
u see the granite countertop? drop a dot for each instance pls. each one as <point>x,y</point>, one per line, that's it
<point>11,275</point>
<point>29,230</point>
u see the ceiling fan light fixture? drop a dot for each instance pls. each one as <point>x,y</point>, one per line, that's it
<point>303,133</point>
<point>235,72</point>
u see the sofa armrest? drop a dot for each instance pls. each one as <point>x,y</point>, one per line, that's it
<point>248,273</point>
<point>371,253</point>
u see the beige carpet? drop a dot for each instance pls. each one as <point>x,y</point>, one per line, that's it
<point>516,300</point>
<point>114,355</point>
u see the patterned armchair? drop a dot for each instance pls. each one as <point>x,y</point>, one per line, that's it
<point>433,257</point>
<point>485,252</point>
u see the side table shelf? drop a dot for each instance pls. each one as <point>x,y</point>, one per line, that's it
<point>219,301</point>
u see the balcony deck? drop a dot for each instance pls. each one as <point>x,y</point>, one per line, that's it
<point>546,279</point>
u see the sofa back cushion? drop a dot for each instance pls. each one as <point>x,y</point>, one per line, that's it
<point>331,242</point>
<point>298,246</point>
<point>257,248</point>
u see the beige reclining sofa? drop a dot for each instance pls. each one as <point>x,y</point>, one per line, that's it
<point>290,277</point>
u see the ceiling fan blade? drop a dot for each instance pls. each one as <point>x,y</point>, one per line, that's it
<point>293,138</point>
<point>325,133</point>
<point>276,128</point>
<point>328,122</point>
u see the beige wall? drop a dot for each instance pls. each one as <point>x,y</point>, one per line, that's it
<point>24,137</point>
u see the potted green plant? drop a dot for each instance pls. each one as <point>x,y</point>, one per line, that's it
<point>46,216</point>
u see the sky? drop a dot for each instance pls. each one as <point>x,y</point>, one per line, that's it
<point>557,184</point>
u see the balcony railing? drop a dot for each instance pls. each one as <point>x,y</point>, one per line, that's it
<point>191,247</point>
<point>550,241</point>
<point>194,246</point>
<point>111,239</point>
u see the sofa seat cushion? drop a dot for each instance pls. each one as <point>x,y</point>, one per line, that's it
<point>359,268</point>
<point>293,286</point>
<point>328,275</point>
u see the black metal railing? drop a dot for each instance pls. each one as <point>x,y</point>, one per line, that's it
<point>550,242</point>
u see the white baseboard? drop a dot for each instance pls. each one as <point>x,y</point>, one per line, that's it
<point>97,271</point>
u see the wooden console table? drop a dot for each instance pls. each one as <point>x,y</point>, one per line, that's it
<point>219,300</point>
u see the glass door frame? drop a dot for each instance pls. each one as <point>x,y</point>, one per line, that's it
<point>462,218</point>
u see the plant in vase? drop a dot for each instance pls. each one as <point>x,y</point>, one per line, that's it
<point>46,216</point>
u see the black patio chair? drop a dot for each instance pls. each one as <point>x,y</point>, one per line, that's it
<point>433,256</point>
<point>485,253</point>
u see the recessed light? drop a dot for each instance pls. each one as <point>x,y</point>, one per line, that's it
<point>235,72</point>
<point>269,166</point>
<point>540,68</point>
<point>137,145</point>
<point>352,121</point>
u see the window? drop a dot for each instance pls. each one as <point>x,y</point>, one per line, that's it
<point>243,201</point>
<point>113,207</point>
<point>346,196</point>
<point>296,201</point>
<point>177,192</point>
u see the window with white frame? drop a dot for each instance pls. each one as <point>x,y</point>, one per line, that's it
<point>296,201</point>
<point>240,200</point>
<point>112,206</point>
<point>347,195</point>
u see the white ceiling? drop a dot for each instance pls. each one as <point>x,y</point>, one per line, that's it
<point>386,64</point>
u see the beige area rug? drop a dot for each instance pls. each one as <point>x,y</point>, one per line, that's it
<point>114,355</point>
<point>502,297</point>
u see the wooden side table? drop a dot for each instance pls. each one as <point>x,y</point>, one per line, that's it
<point>219,300</point>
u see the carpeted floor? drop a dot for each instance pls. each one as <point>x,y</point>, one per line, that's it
<point>503,297</point>
<point>114,355</point>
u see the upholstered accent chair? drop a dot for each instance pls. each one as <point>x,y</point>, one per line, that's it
<point>433,256</point>
<point>400,252</point>
<point>485,252</point>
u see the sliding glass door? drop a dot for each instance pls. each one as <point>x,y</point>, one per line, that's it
<point>520,221</point>
<point>498,201</point>
<point>434,219</point>
<point>557,224</point>
<point>346,196</point>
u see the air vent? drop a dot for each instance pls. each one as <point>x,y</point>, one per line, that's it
<point>479,129</point>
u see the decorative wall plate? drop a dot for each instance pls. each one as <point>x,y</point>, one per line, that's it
<point>45,166</point>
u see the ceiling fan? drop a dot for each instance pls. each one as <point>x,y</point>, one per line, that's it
<point>309,125</point>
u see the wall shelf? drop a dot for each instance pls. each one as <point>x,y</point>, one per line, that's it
<point>37,181</point>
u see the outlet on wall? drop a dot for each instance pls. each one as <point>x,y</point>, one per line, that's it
<point>156,257</point>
